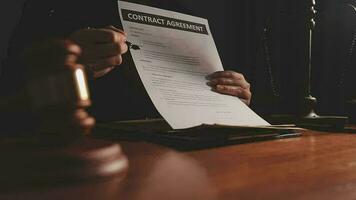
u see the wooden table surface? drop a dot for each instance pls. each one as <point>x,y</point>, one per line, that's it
<point>317,165</point>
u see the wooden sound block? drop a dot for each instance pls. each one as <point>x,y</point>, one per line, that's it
<point>28,163</point>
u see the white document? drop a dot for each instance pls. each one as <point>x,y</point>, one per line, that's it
<point>177,52</point>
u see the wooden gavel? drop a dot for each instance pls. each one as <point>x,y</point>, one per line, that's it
<point>50,111</point>
<point>55,95</point>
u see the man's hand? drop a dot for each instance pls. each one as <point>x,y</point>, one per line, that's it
<point>230,83</point>
<point>101,49</point>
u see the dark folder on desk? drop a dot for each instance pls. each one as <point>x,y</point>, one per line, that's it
<point>203,136</point>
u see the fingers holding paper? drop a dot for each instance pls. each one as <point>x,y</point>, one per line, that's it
<point>102,49</point>
<point>230,83</point>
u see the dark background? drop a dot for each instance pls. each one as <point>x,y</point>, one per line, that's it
<point>9,15</point>
<point>237,27</point>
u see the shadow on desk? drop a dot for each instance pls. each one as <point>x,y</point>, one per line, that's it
<point>39,164</point>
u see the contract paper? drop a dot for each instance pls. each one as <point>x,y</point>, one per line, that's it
<point>176,52</point>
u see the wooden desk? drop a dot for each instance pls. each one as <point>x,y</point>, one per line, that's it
<point>314,166</point>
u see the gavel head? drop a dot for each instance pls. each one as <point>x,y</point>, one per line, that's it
<point>57,87</point>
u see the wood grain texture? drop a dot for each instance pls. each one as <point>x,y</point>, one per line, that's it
<point>315,166</point>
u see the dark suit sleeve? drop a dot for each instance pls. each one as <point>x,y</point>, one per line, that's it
<point>34,25</point>
<point>118,95</point>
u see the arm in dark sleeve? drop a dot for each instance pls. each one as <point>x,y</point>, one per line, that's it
<point>34,26</point>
